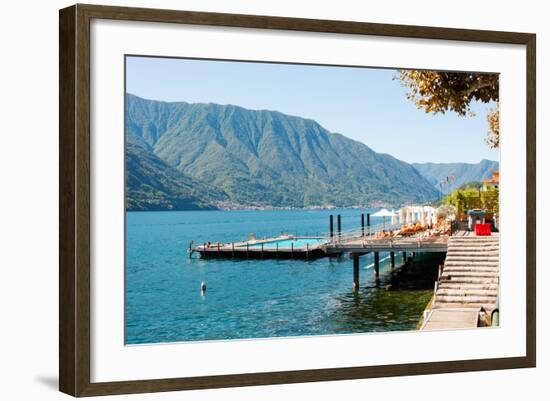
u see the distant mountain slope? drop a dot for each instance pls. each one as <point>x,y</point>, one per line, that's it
<point>260,157</point>
<point>464,172</point>
<point>153,185</point>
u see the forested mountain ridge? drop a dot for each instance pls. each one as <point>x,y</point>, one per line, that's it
<point>262,158</point>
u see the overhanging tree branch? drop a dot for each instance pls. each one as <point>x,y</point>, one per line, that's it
<point>438,92</point>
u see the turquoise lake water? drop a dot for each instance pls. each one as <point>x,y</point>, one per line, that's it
<point>256,298</point>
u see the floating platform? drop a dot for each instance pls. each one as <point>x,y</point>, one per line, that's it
<point>282,247</point>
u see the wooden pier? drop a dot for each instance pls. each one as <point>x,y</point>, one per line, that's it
<point>361,243</point>
<point>466,293</point>
<point>367,244</point>
<point>334,243</point>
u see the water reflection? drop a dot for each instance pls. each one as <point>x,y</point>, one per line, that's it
<point>394,301</point>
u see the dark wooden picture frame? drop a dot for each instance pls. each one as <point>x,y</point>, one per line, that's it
<point>74,199</point>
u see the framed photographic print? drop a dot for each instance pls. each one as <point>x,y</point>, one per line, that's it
<point>250,200</point>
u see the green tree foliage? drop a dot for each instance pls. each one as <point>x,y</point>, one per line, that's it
<point>438,92</point>
<point>153,185</point>
<point>471,185</point>
<point>473,198</point>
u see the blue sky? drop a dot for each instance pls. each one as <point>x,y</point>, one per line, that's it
<point>365,104</point>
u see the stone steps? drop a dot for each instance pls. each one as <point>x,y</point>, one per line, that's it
<point>469,280</point>
<point>474,258</point>
<point>475,240</point>
<point>470,275</point>
<point>441,292</point>
<point>479,248</point>
<point>453,262</point>
<point>472,252</point>
<point>481,252</point>
<point>470,269</point>
<point>474,244</point>
<point>441,305</point>
<point>472,286</point>
<point>467,299</point>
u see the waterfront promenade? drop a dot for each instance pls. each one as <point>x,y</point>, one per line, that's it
<point>466,293</point>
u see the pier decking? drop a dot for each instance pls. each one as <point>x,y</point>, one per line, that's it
<point>281,247</point>
<point>418,243</point>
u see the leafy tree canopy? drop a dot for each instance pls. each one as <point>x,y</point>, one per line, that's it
<point>438,92</point>
<point>472,198</point>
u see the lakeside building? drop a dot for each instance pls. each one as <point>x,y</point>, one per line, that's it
<point>493,182</point>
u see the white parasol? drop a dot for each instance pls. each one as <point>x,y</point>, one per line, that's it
<point>383,213</point>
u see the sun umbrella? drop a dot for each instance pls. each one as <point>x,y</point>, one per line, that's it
<point>383,213</point>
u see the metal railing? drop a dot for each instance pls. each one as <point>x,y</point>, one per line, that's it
<point>364,234</point>
<point>355,234</point>
<point>355,238</point>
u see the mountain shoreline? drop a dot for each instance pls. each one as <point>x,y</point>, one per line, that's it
<point>194,156</point>
<point>266,208</point>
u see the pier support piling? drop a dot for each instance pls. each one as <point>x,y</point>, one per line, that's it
<point>362,224</point>
<point>404,257</point>
<point>377,264</point>
<point>355,272</point>
<point>339,226</point>
<point>408,264</point>
<point>392,260</point>
<point>331,220</point>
